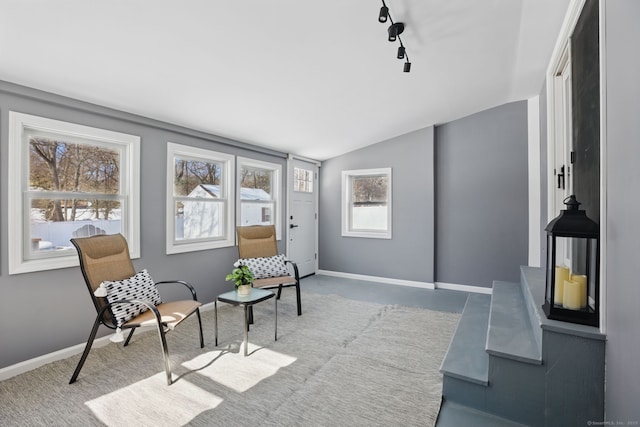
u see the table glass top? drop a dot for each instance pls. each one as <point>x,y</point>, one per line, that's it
<point>255,295</point>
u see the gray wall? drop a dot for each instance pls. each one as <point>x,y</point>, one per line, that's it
<point>622,204</point>
<point>482,197</point>
<point>47,311</point>
<point>409,255</point>
<point>469,176</point>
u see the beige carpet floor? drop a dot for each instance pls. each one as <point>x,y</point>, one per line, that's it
<point>342,362</point>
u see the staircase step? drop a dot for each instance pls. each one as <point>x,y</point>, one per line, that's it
<point>511,334</point>
<point>456,415</point>
<point>466,358</point>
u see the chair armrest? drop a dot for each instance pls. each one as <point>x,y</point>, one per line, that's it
<point>295,269</point>
<point>181,282</point>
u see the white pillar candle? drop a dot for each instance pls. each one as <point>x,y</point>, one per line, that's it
<point>582,281</point>
<point>571,296</point>
<point>562,274</point>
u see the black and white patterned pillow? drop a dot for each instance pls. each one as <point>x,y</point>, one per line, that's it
<point>265,267</point>
<point>140,287</point>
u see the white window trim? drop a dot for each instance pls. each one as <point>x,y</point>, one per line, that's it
<point>18,168</point>
<point>346,203</point>
<point>228,173</point>
<point>275,189</point>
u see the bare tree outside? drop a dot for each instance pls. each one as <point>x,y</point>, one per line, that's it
<point>188,174</point>
<point>62,167</point>
<point>255,178</point>
<point>368,190</point>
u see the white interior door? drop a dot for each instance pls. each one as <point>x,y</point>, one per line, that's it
<point>302,216</point>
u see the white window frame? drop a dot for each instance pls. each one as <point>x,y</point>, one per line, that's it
<point>308,188</point>
<point>347,197</point>
<point>276,170</point>
<point>228,173</point>
<point>18,183</point>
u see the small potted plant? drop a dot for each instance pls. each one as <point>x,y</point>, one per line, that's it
<point>242,277</point>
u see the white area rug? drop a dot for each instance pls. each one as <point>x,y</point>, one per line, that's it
<point>342,362</point>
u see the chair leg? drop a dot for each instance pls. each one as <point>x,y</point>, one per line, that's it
<point>298,298</point>
<point>165,351</point>
<point>200,325</point>
<point>126,343</point>
<point>279,292</point>
<point>85,353</point>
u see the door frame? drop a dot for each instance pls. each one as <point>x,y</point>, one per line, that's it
<point>316,194</point>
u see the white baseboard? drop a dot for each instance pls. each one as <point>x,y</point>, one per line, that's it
<point>36,362</point>
<point>464,288</point>
<point>423,285</point>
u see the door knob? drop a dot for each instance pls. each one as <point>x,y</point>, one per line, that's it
<point>293,225</point>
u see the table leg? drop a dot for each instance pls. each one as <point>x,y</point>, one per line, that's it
<point>215,319</point>
<point>246,328</point>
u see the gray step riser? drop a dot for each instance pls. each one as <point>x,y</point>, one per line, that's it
<point>515,391</point>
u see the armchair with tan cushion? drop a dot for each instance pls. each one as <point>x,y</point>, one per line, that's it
<point>124,299</point>
<point>258,250</point>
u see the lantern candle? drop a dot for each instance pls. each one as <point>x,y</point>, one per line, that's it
<point>582,281</point>
<point>562,274</point>
<point>571,296</point>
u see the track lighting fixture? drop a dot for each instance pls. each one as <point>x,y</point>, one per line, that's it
<point>394,31</point>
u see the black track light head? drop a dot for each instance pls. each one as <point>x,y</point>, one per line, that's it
<point>384,13</point>
<point>395,30</point>
<point>407,67</point>
<point>401,52</point>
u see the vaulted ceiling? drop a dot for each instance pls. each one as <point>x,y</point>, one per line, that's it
<point>314,78</point>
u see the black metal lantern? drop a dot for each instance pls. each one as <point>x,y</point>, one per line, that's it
<point>572,292</point>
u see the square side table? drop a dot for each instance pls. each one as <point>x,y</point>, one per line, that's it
<point>257,295</point>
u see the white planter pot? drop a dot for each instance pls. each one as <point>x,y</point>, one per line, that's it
<point>243,290</point>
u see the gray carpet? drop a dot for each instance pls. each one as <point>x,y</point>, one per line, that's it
<point>342,362</point>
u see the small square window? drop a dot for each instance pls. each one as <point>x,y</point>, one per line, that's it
<point>366,203</point>
<point>302,180</point>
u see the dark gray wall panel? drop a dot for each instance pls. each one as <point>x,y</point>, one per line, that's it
<point>482,197</point>
<point>585,109</point>
<point>409,254</point>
